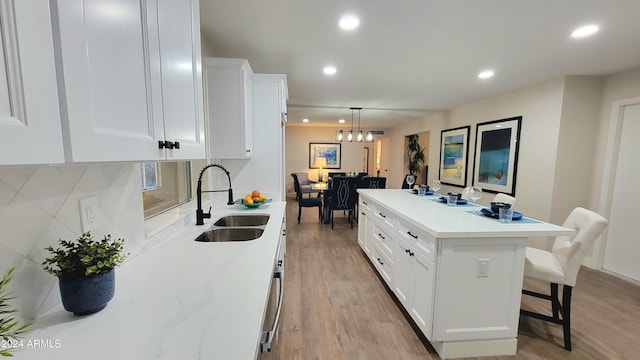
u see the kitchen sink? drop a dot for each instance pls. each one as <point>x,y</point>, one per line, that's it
<point>230,234</point>
<point>242,220</point>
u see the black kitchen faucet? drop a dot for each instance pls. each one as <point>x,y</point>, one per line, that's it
<point>201,215</point>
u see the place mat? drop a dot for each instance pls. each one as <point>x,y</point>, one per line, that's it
<point>437,199</point>
<point>524,220</point>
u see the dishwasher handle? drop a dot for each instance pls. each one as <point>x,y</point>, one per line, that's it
<point>267,336</point>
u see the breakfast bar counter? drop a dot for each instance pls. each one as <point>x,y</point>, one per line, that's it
<point>457,273</point>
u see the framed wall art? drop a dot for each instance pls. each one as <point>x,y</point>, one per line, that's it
<point>496,155</point>
<point>454,152</point>
<point>331,152</point>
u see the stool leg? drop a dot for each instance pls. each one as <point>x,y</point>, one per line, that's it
<point>566,316</point>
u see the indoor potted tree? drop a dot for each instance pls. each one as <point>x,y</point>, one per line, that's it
<point>85,270</point>
<point>415,156</point>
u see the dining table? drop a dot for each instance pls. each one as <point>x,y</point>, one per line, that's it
<point>324,188</point>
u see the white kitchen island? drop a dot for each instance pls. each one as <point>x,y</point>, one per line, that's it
<point>458,274</point>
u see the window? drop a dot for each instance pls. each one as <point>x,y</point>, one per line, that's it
<point>164,185</point>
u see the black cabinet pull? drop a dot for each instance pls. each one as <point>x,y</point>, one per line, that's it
<point>168,145</point>
<point>381,236</point>
<point>411,253</point>
<point>410,234</point>
<point>383,215</point>
<point>380,261</point>
<point>363,213</point>
<point>407,250</point>
<point>365,203</point>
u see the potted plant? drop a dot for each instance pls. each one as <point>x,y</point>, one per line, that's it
<point>10,330</point>
<point>415,154</point>
<point>85,270</point>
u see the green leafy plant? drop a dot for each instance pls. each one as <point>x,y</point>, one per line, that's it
<point>85,257</point>
<point>415,154</point>
<point>9,325</point>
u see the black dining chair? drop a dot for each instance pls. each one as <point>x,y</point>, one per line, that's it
<point>306,202</point>
<point>372,182</point>
<point>343,196</point>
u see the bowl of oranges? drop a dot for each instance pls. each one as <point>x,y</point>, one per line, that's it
<point>253,199</point>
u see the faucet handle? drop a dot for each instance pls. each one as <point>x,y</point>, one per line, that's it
<point>207,215</point>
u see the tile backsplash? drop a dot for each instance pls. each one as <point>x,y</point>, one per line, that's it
<point>39,205</point>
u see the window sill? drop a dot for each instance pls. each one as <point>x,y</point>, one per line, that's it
<point>171,219</point>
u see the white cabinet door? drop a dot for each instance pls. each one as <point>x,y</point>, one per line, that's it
<point>404,274</point>
<point>180,62</point>
<point>421,309</point>
<point>30,131</point>
<point>125,65</point>
<point>228,108</point>
<point>109,64</point>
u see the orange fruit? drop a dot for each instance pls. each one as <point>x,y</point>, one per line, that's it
<point>255,194</point>
<point>247,200</point>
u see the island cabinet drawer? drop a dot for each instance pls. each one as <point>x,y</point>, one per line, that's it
<point>419,239</point>
<point>383,263</point>
<point>364,205</point>
<point>383,217</point>
<point>383,240</point>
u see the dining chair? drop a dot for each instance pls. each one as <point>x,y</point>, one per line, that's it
<point>306,202</point>
<point>504,198</point>
<point>372,182</point>
<point>305,183</point>
<point>343,196</point>
<point>560,266</point>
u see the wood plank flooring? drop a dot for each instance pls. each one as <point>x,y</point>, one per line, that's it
<point>336,307</point>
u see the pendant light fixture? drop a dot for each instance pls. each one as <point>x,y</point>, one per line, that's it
<point>350,134</point>
<point>360,136</point>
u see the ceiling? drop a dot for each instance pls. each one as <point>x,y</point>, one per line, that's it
<point>411,57</point>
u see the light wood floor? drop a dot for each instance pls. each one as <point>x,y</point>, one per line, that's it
<point>336,307</point>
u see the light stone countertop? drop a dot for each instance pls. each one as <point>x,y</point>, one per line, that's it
<point>442,221</point>
<point>182,299</point>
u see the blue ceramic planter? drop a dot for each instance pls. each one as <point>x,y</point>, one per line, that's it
<point>89,295</point>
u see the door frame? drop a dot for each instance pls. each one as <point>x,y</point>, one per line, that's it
<point>596,261</point>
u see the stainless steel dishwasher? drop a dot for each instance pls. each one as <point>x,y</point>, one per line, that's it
<point>272,315</point>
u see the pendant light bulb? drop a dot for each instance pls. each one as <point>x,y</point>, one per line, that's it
<point>369,136</point>
<point>339,136</point>
<point>360,137</point>
<point>350,136</point>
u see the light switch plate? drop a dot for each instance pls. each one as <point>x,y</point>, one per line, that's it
<point>482,268</point>
<point>89,213</point>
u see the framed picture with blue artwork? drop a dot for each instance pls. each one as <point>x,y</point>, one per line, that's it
<point>454,151</point>
<point>496,155</point>
<point>325,155</point>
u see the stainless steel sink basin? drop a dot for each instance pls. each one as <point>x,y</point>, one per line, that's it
<point>242,220</point>
<point>230,234</point>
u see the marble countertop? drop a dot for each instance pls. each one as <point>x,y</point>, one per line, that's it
<point>442,221</point>
<point>182,299</point>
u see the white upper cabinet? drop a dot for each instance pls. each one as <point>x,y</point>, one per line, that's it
<point>228,107</point>
<point>30,130</point>
<point>129,78</point>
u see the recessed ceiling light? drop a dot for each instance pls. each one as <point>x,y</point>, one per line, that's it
<point>305,120</point>
<point>585,31</point>
<point>341,121</point>
<point>329,70</point>
<point>349,22</point>
<point>486,74</point>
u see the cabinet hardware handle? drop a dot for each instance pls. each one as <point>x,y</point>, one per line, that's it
<point>168,145</point>
<point>279,262</point>
<point>407,250</point>
<point>381,236</point>
<point>383,215</point>
<point>381,263</point>
<point>363,213</point>
<point>364,202</point>
<point>248,150</point>
<point>411,253</point>
<point>410,234</point>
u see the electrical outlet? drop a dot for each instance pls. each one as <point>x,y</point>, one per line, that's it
<point>89,213</point>
<point>482,268</point>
